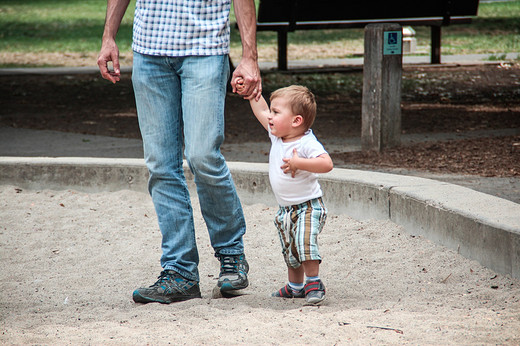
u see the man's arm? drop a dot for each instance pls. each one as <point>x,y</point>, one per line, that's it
<point>248,69</point>
<point>109,51</point>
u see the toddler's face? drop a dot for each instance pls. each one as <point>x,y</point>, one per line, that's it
<point>281,117</point>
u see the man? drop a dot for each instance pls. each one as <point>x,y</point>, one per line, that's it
<point>180,72</point>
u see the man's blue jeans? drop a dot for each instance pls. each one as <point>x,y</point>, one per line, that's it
<point>180,101</point>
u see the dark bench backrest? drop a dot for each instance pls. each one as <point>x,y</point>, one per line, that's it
<point>333,10</point>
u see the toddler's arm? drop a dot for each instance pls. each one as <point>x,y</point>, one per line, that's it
<point>320,164</point>
<point>260,107</point>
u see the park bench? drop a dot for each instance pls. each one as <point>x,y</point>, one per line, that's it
<point>284,16</point>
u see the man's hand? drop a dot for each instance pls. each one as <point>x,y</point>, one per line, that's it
<point>109,53</point>
<point>249,73</point>
<point>109,50</point>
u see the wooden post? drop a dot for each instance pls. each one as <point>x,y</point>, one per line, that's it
<point>382,72</point>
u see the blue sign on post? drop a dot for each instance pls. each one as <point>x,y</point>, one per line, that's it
<point>392,42</point>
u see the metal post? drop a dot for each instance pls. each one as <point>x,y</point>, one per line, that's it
<point>282,50</point>
<point>436,45</point>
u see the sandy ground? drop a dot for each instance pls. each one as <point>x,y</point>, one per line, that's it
<point>72,259</point>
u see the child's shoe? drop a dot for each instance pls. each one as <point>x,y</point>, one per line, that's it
<point>288,292</point>
<point>314,292</point>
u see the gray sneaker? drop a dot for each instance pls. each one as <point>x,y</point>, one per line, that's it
<point>169,288</point>
<point>314,292</point>
<point>233,272</point>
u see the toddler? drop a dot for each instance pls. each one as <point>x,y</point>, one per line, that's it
<point>295,158</point>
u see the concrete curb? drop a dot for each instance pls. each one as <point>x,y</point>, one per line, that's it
<point>479,226</point>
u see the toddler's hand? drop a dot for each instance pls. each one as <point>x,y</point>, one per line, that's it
<point>290,164</point>
<point>239,85</point>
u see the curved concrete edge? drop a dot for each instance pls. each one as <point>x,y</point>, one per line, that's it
<point>479,226</point>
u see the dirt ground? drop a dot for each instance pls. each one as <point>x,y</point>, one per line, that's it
<point>436,297</point>
<point>482,99</point>
<point>72,259</point>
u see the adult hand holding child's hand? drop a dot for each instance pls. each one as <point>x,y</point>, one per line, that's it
<point>251,83</point>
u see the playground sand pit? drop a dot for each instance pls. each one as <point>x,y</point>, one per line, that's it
<point>72,259</point>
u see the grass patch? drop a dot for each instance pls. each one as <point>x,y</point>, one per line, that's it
<point>57,26</point>
<point>496,29</point>
<point>497,57</point>
<point>76,26</point>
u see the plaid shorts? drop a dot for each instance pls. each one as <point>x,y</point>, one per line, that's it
<point>298,227</point>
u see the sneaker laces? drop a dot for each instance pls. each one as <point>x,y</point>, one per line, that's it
<point>228,264</point>
<point>164,276</point>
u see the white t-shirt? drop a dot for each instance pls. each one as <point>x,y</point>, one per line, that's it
<point>304,186</point>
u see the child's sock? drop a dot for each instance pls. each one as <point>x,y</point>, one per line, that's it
<point>313,278</point>
<point>295,287</point>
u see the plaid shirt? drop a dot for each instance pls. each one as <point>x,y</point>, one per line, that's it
<point>181,27</point>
